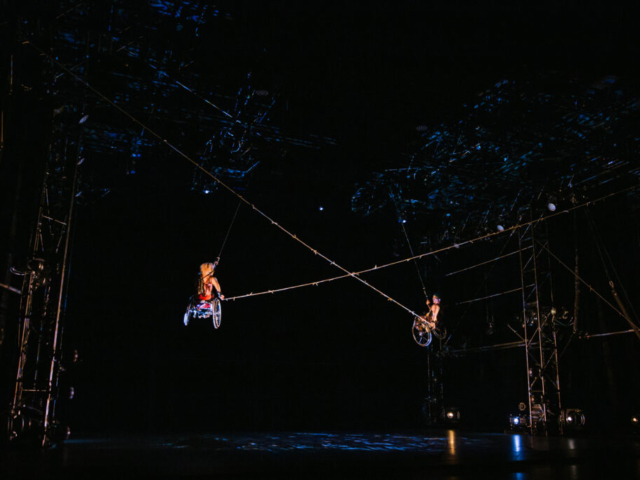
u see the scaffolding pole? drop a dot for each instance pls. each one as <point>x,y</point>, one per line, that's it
<point>540,341</point>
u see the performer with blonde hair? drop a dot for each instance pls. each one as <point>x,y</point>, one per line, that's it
<point>207,282</point>
<point>434,308</point>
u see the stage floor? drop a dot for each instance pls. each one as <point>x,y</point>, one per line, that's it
<point>444,454</point>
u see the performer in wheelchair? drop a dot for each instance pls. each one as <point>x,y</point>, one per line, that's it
<point>208,284</point>
<point>434,308</point>
<point>206,303</point>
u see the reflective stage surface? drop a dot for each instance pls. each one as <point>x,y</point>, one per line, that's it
<point>444,454</point>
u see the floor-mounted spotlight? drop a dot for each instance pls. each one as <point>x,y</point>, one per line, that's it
<point>451,416</point>
<point>572,419</point>
<point>518,422</point>
<point>635,424</point>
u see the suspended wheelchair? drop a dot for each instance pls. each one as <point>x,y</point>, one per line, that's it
<point>198,308</point>
<point>423,331</point>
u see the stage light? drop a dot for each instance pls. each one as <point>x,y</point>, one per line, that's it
<point>551,207</point>
<point>321,209</point>
<point>573,418</point>
<point>500,228</point>
<point>451,415</point>
<point>207,192</point>
<point>518,422</point>
<point>83,119</point>
<point>404,221</point>
<point>634,420</point>
<point>553,311</point>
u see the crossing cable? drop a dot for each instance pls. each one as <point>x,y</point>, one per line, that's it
<point>434,252</point>
<point>207,101</point>
<point>599,241</point>
<point>233,220</point>
<point>220,182</point>
<point>354,275</point>
<point>622,312</point>
<point>406,236</point>
<point>583,281</point>
<point>415,261</point>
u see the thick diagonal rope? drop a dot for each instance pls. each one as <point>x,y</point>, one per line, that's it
<point>432,252</point>
<point>220,182</point>
<point>205,100</point>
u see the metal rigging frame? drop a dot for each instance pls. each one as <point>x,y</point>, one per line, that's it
<point>538,331</point>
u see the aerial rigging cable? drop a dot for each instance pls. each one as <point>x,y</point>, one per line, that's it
<point>449,247</point>
<point>404,230</point>
<point>415,260</point>
<point>623,310</point>
<point>233,220</point>
<point>354,275</point>
<point>220,182</point>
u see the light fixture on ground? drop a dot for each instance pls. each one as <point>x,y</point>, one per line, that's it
<point>635,423</point>
<point>451,415</point>
<point>573,418</point>
<point>518,422</point>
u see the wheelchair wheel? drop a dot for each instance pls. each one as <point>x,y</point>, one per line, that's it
<point>216,312</point>
<point>440,333</point>
<point>421,333</point>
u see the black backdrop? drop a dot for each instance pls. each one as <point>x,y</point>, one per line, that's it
<point>338,355</point>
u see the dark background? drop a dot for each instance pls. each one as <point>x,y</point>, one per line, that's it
<point>337,355</point>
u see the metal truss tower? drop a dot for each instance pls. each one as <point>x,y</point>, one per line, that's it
<point>39,382</point>
<point>538,331</point>
<point>433,409</point>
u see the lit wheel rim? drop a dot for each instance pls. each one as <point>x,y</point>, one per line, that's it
<point>441,334</point>
<point>421,333</point>
<point>216,312</point>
